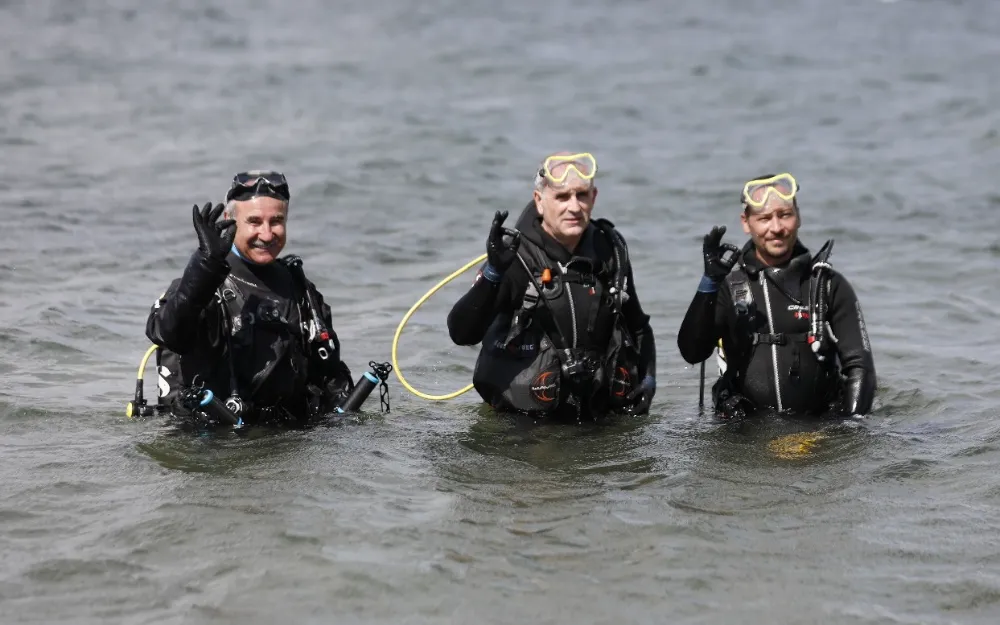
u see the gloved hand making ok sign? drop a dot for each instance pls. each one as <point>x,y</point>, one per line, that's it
<point>215,240</point>
<point>501,248</point>
<point>717,263</point>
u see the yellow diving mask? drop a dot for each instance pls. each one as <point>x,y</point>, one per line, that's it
<point>557,168</point>
<point>756,192</point>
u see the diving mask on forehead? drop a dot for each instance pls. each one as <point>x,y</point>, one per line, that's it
<point>756,192</point>
<point>250,184</point>
<point>556,169</point>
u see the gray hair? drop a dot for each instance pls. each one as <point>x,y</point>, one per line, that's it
<point>540,181</point>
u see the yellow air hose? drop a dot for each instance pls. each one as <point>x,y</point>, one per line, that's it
<point>420,302</point>
<point>131,409</point>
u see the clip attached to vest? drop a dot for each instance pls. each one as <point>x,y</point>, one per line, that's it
<point>531,295</point>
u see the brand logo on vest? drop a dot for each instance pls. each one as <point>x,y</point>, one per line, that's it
<point>162,385</point>
<point>621,383</point>
<point>799,312</point>
<point>543,387</point>
<point>514,348</point>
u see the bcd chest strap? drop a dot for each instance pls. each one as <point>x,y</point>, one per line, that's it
<point>778,338</point>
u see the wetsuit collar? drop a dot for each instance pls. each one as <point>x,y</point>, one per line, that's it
<point>752,264</point>
<point>246,260</point>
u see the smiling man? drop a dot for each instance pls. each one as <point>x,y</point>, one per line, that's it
<point>244,323</point>
<point>555,307</point>
<point>792,331</point>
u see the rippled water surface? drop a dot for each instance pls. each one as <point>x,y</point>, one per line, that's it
<point>402,128</point>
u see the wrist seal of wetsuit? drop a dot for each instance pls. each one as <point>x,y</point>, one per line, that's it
<point>709,284</point>
<point>491,273</point>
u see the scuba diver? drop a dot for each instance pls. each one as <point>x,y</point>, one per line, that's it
<point>244,326</point>
<point>555,307</point>
<point>791,331</point>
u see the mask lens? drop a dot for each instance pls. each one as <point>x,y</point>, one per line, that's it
<point>558,168</point>
<point>756,192</point>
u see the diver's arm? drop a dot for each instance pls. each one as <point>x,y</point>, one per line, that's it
<point>853,347</point>
<point>472,315</point>
<point>703,322</point>
<point>637,322</point>
<point>178,317</point>
<point>491,293</point>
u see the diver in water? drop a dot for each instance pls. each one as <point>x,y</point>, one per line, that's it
<point>555,307</point>
<point>244,324</point>
<point>792,334</point>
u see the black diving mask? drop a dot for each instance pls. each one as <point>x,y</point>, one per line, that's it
<point>251,184</point>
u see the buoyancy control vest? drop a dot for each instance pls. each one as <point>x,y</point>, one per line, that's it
<point>781,354</point>
<point>567,343</point>
<point>266,331</point>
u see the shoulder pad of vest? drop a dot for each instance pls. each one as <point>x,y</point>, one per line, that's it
<point>603,222</point>
<point>823,255</point>
<point>290,260</point>
<point>605,227</point>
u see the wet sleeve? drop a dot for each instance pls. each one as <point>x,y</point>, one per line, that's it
<point>703,324</point>
<point>847,323</point>
<point>637,322</point>
<point>472,315</point>
<point>185,315</point>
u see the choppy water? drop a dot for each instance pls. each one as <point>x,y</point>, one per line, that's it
<point>402,127</point>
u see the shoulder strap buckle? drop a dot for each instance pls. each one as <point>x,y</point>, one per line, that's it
<point>530,299</point>
<point>739,287</point>
<point>776,338</point>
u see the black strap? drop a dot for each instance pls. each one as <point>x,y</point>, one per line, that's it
<point>779,338</point>
<point>622,263</point>
<point>233,301</point>
<point>325,337</point>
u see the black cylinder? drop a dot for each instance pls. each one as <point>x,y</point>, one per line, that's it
<point>215,407</point>
<point>366,383</point>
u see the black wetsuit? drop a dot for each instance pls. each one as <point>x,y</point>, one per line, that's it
<point>583,317</point>
<point>247,328</point>
<point>768,357</point>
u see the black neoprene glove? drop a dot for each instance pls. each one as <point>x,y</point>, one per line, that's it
<point>734,407</point>
<point>214,239</point>
<point>717,264</point>
<point>500,252</point>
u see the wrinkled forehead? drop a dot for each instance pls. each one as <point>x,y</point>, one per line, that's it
<point>261,206</point>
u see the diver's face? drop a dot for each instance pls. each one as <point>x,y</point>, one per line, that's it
<point>565,209</point>
<point>260,228</point>
<point>773,228</point>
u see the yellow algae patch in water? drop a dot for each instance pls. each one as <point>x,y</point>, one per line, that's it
<point>792,446</point>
